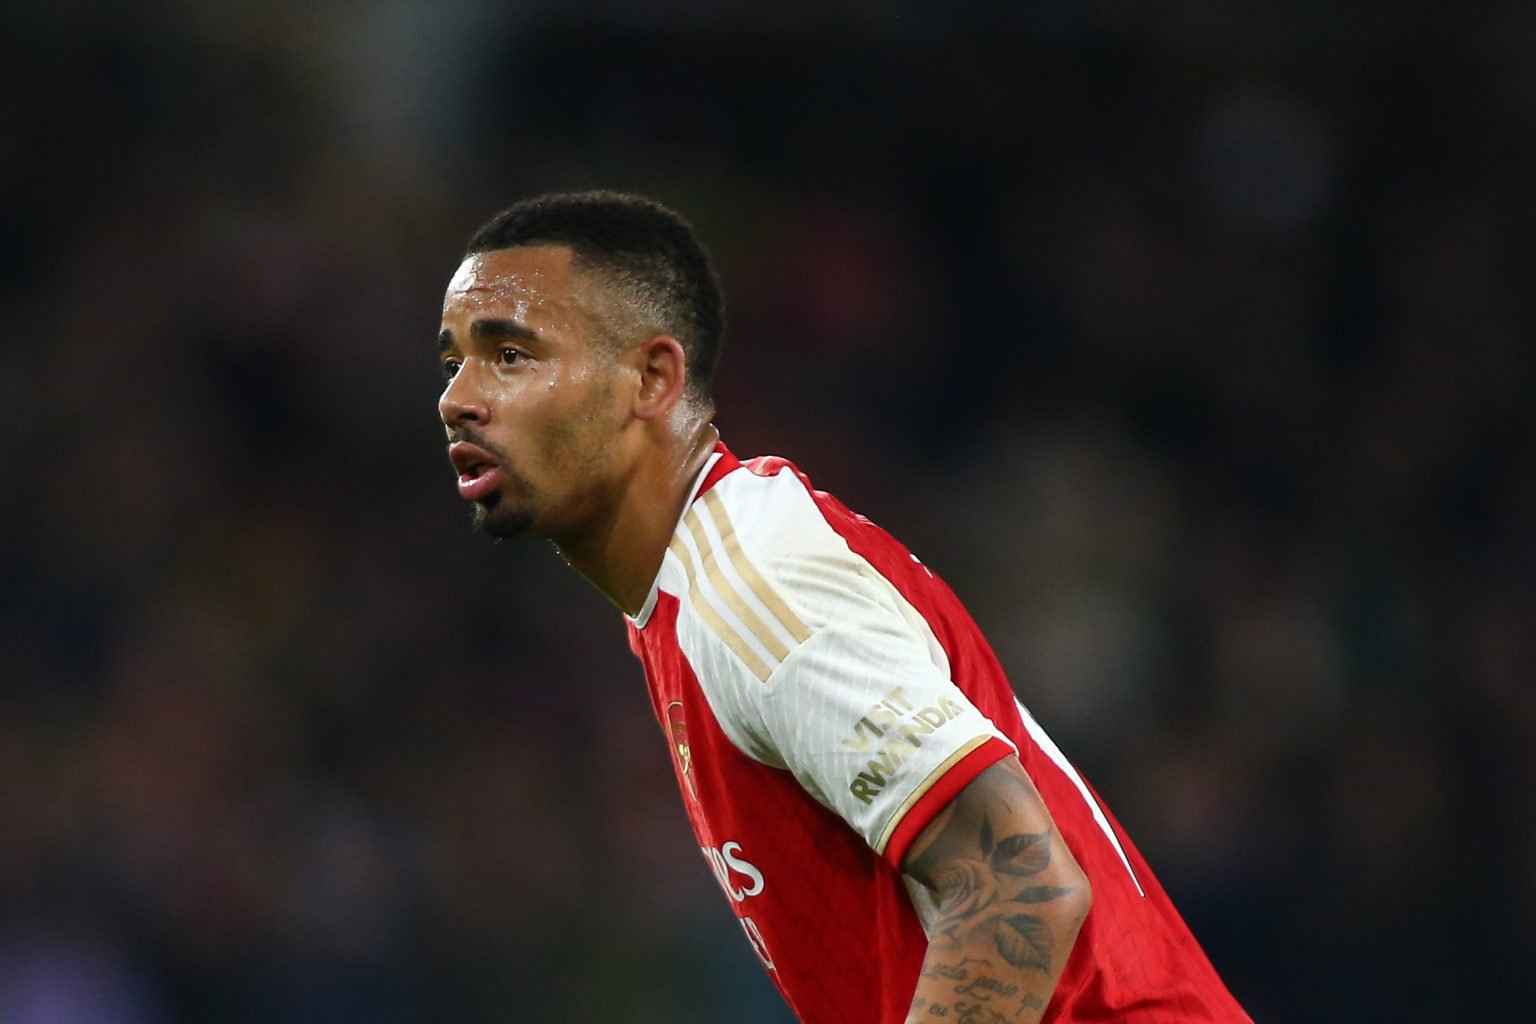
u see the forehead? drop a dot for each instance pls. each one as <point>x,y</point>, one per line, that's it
<point>512,282</point>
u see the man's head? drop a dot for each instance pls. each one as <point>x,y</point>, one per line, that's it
<point>580,332</point>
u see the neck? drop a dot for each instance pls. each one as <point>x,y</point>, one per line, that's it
<point>622,559</point>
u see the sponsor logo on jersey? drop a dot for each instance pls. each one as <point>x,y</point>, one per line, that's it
<point>739,877</point>
<point>890,731</point>
<point>741,880</point>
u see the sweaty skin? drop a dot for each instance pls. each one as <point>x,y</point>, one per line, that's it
<point>582,433</point>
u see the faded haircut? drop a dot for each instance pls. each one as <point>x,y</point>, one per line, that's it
<point>644,252</point>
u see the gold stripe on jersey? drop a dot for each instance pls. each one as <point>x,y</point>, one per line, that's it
<point>729,594</point>
<point>766,594</point>
<point>927,784</point>
<point>712,619</point>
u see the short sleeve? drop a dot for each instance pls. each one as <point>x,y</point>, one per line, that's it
<point>864,715</point>
<point>814,662</point>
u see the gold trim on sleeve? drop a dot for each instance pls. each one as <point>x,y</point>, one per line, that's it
<point>766,594</point>
<point>729,594</point>
<point>922,789</point>
<point>712,619</point>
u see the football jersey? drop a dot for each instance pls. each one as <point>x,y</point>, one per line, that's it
<point>824,695</point>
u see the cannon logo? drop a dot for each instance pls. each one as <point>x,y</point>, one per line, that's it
<point>678,733</point>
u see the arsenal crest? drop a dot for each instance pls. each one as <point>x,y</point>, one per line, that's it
<point>679,735</point>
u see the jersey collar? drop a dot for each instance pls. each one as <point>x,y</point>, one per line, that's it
<point>719,463</point>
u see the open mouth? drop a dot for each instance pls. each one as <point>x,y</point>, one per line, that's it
<point>479,475</point>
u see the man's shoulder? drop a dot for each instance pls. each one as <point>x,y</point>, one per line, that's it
<point>778,512</point>
<point>761,534</point>
<point>798,539</point>
<point>765,505</point>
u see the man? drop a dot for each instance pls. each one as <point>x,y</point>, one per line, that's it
<point>898,837</point>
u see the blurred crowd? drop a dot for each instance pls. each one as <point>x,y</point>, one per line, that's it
<point>1191,347</point>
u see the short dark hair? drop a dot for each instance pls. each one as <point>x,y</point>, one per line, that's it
<point>647,251</point>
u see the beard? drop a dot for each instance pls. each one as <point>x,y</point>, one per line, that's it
<point>496,516</point>
<point>500,519</point>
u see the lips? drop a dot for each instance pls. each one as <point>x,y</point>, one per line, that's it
<point>479,475</point>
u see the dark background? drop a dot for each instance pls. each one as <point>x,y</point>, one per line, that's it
<point>1191,342</point>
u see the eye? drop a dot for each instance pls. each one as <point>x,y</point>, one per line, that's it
<point>509,356</point>
<point>450,368</point>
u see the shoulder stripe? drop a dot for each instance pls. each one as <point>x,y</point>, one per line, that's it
<point>712,618</point>
<point>766,594</point>
<point>728,593</point>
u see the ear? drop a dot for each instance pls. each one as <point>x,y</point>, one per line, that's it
<point>663,375</point>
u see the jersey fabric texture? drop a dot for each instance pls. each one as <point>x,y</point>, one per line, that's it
<point>825,695</point>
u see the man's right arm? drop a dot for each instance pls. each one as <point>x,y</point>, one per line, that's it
<point>1011,901</point>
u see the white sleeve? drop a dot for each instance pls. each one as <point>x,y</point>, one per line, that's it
<point>812,661</point>
<point>860,711</point>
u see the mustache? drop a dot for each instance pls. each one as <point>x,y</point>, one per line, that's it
<point>470,436</point>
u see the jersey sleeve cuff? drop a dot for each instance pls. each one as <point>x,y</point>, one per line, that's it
<point>934,794</point>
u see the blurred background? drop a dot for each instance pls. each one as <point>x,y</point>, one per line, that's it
<point>1188,341</point>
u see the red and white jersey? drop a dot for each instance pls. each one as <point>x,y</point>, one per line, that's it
<point>825,695</point>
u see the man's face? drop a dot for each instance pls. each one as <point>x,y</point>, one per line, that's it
<point>534,402</point>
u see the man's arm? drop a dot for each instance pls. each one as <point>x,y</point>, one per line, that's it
<point>1011,901</point>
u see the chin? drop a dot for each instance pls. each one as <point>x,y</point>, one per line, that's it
<point>502,522</point>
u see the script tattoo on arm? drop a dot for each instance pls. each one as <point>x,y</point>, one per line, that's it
<point>1011,901</point>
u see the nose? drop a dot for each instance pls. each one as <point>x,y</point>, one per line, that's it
<point>461,403</point>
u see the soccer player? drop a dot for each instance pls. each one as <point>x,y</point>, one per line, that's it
<point>898,837</point>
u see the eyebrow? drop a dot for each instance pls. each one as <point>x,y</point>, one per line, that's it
<point>492,328</point>
<point>501,329</point>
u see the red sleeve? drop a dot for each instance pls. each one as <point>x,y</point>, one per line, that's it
<point>940,793</point>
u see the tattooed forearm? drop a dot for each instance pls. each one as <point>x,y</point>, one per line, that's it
<point>1011,901</point>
